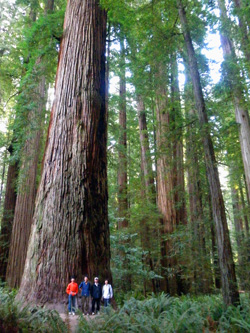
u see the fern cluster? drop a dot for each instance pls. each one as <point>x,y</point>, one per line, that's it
<point>172,314</point>
<point>17,318</point>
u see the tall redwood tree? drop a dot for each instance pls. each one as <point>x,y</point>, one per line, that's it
<point>70,231</point>
<point>227,268</point>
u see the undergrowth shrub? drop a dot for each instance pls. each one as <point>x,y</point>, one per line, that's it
<point>172,314</point>
<point>17,318</point>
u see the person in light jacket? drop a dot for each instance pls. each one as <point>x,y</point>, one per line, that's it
<point>107,293</point>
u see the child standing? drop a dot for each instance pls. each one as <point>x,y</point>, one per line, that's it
<point>72,290</point>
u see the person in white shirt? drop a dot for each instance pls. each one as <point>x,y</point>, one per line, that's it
<point>107,293</point>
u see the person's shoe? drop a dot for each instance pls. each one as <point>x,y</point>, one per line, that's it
<point>70,313</point>
<point>93,313</point>
<point>73,313</point>
<point>87,314</point>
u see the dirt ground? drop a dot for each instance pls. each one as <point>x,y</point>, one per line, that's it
<point>70,321</point>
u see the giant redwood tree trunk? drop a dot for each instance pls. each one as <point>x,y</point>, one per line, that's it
<point>8,214</point>
<point>227,268</point>
<point>70,231</point>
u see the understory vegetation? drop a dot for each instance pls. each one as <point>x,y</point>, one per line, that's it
<point>157,313</point>
<point>172,314</point>
<point>17,318</point>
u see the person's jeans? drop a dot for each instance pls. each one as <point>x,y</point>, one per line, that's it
<point>97,302</point>
<point>72,303</point>
<point>106,301</point>
<point>85,304</point>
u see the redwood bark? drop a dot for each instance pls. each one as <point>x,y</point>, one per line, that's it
<point>26,194</point>
<point>233,77</point>
<point>165,184</point>
<point>122,153</point>
<point>36,94</point>
<point>8,214</point>
<point>70,231</point>
<point>227,268</point>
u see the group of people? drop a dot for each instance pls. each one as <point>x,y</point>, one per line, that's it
<point>91,295</point>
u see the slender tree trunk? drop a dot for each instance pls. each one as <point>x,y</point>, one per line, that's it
<point>201,266</point>
<point>215,255</point>
<point>234,80</point>
<point>245,41</point>
<point>3,177</point>
<point>145,152</point>
<point>148,191</point>
<point>165,185</point>
<point>238,223</point>
<point>179,185</point>
<point>217,280</point>
<point>72,197</point>
<point>25,202</point>
<point>178,164</point>
<point>228,277</point>
<point>122,155</point>
<point>242,198</point>
<point>8,214</point>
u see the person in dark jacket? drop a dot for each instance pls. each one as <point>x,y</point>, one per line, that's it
<point>96,293</point>
<point>86,298</point>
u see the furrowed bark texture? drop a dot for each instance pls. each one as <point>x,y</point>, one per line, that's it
<point>122,154</point>
<point>35,94</point>
<point>165,186</point>
<point>233,77</point>
<point>228,277</point>
<point>25,202</point>
<point>70,232</point>
<point>8,215</point>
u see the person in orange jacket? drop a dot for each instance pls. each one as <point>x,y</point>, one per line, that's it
<point>72,290</point>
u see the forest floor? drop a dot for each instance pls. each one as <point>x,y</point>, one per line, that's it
<point>70,321</point>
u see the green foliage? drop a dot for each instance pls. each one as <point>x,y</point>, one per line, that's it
<point>170,314</point>
<point>15,317</point>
